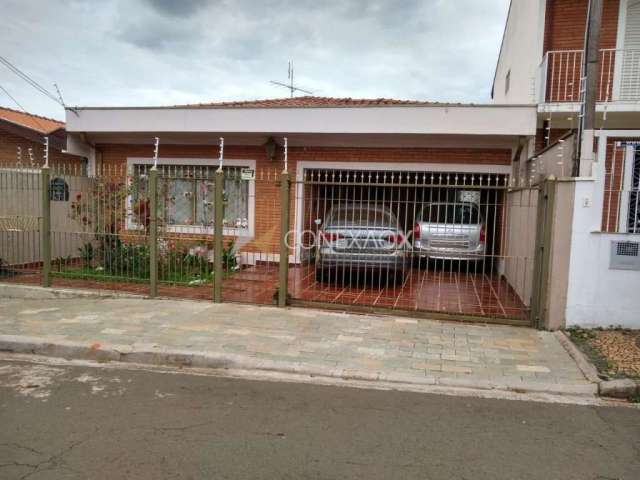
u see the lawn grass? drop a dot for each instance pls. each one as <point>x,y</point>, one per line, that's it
<point>90,273</point>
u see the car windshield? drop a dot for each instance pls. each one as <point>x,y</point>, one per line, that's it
<point>457,213</point>
<point>360,216</point>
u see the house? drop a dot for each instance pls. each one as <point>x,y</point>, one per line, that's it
<point>22,138</point>
<point>23,134</point>
<point>399,155</point>
<point>516,230</point>
<point>540,63</point>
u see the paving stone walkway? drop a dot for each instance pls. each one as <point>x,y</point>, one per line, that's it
<point>308,341</point>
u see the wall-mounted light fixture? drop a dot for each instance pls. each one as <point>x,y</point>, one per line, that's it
<point>270,148</point>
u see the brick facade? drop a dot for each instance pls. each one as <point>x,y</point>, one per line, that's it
<point>565,23</point>
<point>113,159</point>
<point>9,143</point>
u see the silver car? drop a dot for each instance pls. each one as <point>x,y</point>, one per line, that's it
<point>361,237</point>
<point>450,231</point>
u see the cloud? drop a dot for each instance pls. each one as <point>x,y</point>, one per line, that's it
<point>178,8</point>
<point>155,52</point>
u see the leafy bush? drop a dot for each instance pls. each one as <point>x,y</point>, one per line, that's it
<point>87,254</point>
<point>130,260</point>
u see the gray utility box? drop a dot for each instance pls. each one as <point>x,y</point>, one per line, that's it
<point>625,255</point>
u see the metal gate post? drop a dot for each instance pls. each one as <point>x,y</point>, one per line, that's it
<point>153,232</point>
<point>283,277</point>
<point>542,257</point>
<point>217,235</point>
<point>45,232</point>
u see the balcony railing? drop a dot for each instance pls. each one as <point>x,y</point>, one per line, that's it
<point>560,76</point>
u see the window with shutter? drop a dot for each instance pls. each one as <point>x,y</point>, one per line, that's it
<point>630,65</point>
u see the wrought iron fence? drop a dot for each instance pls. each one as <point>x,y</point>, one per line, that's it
<point>404,241</point>
<point>412,241</point>
<point>131,227</point>
<point>20,220</point>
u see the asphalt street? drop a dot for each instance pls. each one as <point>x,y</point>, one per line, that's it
<point>77,422</point>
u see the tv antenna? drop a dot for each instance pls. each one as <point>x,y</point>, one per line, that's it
<point>292,89</point>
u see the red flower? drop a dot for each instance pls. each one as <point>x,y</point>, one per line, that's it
<point>79,196</point>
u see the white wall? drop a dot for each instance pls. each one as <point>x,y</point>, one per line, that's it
<point>598,296</point>
<point>521,52</point>
<point>422,119</point>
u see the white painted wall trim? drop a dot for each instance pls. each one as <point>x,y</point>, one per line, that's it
<point>247,234</point>
<point>617,133</point>
<point>427,119</point>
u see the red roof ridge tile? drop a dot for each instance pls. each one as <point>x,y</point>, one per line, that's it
<point>30,120</point>
<point>306,101</point>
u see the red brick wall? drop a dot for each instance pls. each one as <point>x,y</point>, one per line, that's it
<point>267,215</point>
<point>565,24</point>
<point>554,135</point>
<point>10,142</point>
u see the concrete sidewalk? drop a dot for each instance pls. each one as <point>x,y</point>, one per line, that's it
<point>298,341</point>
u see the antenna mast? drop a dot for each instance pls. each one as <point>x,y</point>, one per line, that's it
<point>290,86</point>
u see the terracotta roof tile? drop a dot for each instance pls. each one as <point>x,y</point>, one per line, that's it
<point>34,122</point>
<point>307,101</point>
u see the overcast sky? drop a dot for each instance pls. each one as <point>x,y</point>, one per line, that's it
<point>157,52</point>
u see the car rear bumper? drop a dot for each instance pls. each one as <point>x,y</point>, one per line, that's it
<point>396,261</point>
<point>450,253</point>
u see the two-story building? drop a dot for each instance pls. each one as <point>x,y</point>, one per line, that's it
<point>541,63</point>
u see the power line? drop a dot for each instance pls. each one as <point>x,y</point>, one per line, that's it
<point>35,118</point>
<point>30,80</point>
<point>12,98</point>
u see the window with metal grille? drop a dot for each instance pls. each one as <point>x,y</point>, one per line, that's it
<point>58,190</point>
<point>628,249</point>
<point>187,195</point>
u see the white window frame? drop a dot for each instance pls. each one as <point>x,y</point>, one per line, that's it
<point>199,229</point>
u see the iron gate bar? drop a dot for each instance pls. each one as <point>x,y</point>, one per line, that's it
<point>322,190</point>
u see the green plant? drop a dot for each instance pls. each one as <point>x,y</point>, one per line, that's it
<point>86,254</point>
<point>130,260</point>
<point>229,261</point>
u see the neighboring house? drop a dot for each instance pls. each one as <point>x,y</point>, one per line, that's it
<point>540,63</point>
<point>21,132</point>
<point>21,154</point>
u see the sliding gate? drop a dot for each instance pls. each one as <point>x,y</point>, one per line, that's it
<point>412,242</point>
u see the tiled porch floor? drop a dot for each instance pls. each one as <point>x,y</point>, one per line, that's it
<point>444,291</point>
<point>431,290</point>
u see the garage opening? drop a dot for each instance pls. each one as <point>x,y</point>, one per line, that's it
<point>413,241</point>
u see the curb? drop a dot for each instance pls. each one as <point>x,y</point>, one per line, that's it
<point>33,292</point>
<point>162,356</point>
<point>618,388</point>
